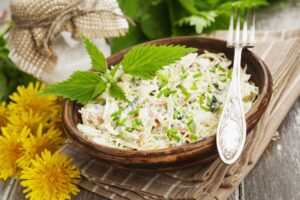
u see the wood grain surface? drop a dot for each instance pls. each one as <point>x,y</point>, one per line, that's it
<point>276,175</point>
<point>279,168</point>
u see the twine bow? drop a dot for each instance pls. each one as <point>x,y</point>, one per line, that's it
<point>39,22</point>
<point>56,21</point>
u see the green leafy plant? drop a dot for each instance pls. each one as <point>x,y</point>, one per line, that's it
<point>164,18</point>
<point>10,75</point>
<point>142,61</point>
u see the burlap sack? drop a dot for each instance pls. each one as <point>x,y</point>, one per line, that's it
<point>39,22</point>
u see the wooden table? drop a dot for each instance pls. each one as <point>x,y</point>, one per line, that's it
<point>277,174</point>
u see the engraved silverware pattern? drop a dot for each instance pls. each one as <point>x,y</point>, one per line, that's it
<point>231,132</point>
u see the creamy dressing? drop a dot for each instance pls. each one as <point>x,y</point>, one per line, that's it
<point>182,104</point>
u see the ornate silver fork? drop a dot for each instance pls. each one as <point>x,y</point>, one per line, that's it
<point>231,132</point>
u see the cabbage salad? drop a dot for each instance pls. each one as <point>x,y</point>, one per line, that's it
<point>180,105</point>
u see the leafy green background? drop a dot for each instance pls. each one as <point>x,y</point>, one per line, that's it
<point>165,18</point>
<point>10,75</point>
<point>154,19</point>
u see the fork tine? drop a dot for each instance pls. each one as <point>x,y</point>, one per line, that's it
<point>245,27</point>
<point>252,29</point>
<point>230,31</point>
<point>237,28</point>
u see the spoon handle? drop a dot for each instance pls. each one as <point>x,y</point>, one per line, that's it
<point>231,132</point>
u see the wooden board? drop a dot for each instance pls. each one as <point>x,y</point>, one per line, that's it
<point>277,175</point>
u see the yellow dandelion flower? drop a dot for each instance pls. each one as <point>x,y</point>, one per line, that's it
<point>56,116</point>
<point>35,145</point>
<point>11,149</point>
<point>17,121</point>
<point>25,99</point>
<point>50,177</point>
<point>3,114</point>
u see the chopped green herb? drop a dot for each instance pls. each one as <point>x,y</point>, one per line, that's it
<point>164,79</point>
<point>116,115</point>
<point>213,69</point>
<point>171,130</point>
<point>197,75</point>
<point>162,84</point>
<point>216,85</point>
<point>214,104</point>
<point>135,112</point>
<point>229,74</point>
<point>223,78</point>
<point>189,125</point>
<point>221,68</point>
<point>194,86</point>
<point>129,129</point>
<point>194,137</point>
<point>122,122</point>
<point>136,123</point>
<point>185,92</point>
<point>177,115</point>
<point>209,89</point>
<point>182,69</point>
<point>183,76</point>
<point>202,104</point>
<point>173,134</point>
<point>166,92</point>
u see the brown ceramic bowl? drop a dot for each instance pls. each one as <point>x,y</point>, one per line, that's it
<point>172,158</point>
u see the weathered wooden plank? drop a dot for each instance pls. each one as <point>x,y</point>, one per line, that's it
<point>6,188</point>
<point>85,195</point>
<point>16,193</point>
<point>277,175</point>
<point>235,195</point>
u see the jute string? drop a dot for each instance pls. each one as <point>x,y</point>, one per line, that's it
<point>57,20</point>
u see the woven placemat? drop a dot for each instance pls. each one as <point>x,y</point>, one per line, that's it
<point>280,50</point>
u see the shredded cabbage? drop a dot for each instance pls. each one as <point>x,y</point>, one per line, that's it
<point>182,104</point>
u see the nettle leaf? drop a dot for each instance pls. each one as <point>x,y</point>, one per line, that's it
<point>134,36</point>
<point>131,8</point>
<point>97,57</point>
<point>117,92</point>
<point>145,60</point>
<point>155,22</point>
<point>81,87</point>
<point>198,21</point>
<point>3,85</point>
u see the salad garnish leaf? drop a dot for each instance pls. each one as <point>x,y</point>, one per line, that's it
<point>97,57</point>
<point>117,92</point>
<point>145,60</point>
<point>142,61</point>
<point>81,87</point>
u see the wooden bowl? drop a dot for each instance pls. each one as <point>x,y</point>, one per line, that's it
<point>172,158</point>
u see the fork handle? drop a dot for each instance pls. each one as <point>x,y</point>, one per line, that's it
<point>231,132</point>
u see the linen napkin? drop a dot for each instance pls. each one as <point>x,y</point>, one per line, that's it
<point>280,50</point>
